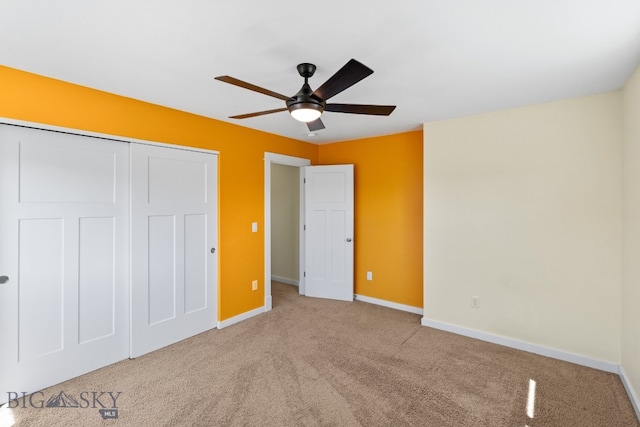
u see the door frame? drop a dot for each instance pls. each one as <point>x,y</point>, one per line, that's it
<point>299,162</point>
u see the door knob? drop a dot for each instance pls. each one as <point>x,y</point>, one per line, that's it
<point>4,279</point>
<point>348,239</point>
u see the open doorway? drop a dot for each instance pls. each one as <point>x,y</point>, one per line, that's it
<point>289,267</point>
<point>285,217</point>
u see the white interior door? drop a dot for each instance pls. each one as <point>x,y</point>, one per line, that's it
<point>329,232</point>
<point>64,256</point>
<point>173,245</point>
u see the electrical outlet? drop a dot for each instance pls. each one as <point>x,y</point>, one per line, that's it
<point>475,302</point>
<point>254,285</point>
<point>369,275</point>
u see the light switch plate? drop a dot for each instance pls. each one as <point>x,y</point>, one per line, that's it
<point>254,227</point>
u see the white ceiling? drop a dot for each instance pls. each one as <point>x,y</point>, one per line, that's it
<point>434,59</point>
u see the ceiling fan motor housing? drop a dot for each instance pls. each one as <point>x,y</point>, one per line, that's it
<point>304,98</point>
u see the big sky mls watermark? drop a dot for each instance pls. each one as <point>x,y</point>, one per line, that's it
<point>106,402</point>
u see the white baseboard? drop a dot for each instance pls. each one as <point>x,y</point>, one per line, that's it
<point>240,317</point>
<point>285,280</point>
<point>389,304</point>
<point>524,346</point>
<point>630,391</point>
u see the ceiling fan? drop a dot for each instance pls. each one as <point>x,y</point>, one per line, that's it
<point>308,105</point>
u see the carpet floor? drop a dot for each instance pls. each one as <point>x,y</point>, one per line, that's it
<point>314,362</point>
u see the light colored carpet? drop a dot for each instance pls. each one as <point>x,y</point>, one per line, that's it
<point>313,362</point>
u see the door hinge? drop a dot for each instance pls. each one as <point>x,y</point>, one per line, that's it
<point>304,227</point>
<point>304,274</point>
<point>304,180</point>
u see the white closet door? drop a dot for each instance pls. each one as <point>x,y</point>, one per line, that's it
<point>174,240</point>
<point>64,292</point>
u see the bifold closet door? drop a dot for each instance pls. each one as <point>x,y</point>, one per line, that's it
<point>173,245</point>
<point>64,256</point>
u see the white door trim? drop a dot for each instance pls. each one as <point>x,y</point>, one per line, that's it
<point>43,126</point>
<point>280,159</point>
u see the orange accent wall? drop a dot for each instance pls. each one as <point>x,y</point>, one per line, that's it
<point>388,213</point>
<point>34,98</point>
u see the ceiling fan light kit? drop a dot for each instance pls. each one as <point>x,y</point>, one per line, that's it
<point>305,112</point>
<point>308,105</point>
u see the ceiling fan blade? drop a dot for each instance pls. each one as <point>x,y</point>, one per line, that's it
<point>315,125</point>
<point>240,83</point>
<point>351,73</point>
<point>377,110</point>
<point>259,113</point>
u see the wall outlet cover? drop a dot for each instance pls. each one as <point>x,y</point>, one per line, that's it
<point>475,302</point>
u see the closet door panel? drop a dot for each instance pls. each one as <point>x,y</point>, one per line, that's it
<point>174,236</point>
<point>64,222</point>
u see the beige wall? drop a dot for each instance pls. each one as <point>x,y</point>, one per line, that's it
<point>285,214</point>
<point>523,208</point>
<point>631,239</point>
